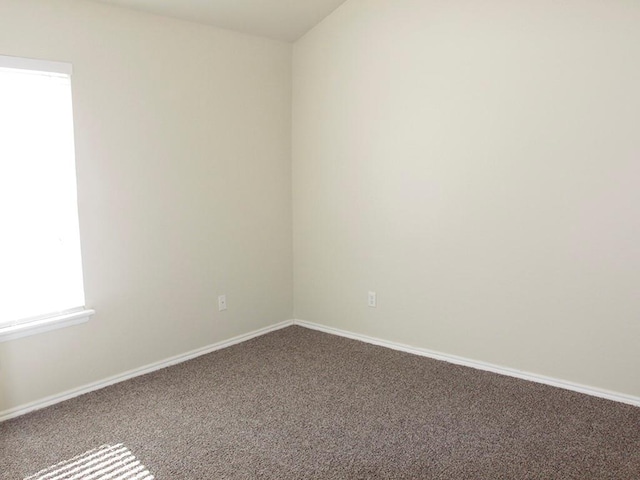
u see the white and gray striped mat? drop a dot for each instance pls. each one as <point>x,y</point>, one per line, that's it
<point>108,462</point>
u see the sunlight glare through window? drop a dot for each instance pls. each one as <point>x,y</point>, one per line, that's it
<point>40,263</point>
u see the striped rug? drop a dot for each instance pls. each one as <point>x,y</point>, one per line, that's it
<point>108,462</point>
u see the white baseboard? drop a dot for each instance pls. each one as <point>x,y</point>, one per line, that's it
<point>596,392</point>
<point>53,399</point>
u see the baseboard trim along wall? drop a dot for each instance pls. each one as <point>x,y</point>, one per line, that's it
<point>554,382</point>
<point>61,397</point>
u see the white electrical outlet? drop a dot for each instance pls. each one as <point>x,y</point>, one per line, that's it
<point>222,303</point>
<point>372,300</point>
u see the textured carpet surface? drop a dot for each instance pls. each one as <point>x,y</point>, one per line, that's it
<point>299,404</point>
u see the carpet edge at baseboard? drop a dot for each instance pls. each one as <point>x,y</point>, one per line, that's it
<point>136,372</point>
<point>66,395</point>
<point>479,365</point>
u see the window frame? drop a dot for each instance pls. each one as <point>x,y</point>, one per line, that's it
<point>51,321</point>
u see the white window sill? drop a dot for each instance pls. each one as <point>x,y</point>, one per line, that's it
<point>41,325</point>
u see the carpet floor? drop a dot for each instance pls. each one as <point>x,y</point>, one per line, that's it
<point>300,404</point>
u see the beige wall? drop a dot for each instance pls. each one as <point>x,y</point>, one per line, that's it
<point>477,164</point>
<point>184,171</point>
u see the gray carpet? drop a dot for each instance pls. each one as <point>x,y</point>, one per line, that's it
<point>299,404</point>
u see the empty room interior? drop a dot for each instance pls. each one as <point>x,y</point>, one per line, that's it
<point>319,239</point>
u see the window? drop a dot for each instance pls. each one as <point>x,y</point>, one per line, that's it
<point>41,285</point>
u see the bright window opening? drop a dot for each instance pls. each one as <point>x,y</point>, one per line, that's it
<point>40,259</point>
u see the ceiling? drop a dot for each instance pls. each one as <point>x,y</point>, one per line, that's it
<point>284,20</point>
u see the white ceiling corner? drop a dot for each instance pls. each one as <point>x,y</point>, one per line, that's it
<point>285,20</point>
